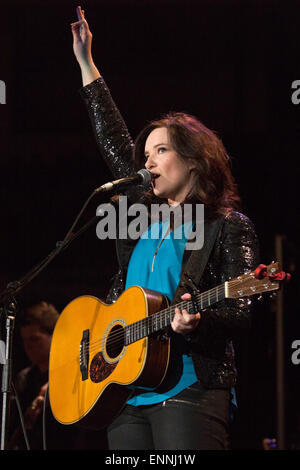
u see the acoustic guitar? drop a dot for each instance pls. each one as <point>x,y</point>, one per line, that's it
<point>98,349</point>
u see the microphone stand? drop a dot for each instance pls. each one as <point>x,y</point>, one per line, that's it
<point>7,297</point>
<point>10,308</point>
<point>6,360</point>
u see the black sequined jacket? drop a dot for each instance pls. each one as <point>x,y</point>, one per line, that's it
<point>234,252</point>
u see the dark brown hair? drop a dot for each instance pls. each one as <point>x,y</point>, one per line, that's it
<point>214,184</point>
<point>42,314</point>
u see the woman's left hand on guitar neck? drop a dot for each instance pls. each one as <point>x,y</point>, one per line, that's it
<point>183,321</point>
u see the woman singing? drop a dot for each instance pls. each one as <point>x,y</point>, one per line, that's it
<point>188,165</point>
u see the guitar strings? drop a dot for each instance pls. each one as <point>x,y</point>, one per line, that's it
<point>159,315</point>
<point>141,324</point>
<point>137,327</point>
<point>119,335</point>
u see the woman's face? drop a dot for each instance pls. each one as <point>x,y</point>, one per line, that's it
<point>173,177</point>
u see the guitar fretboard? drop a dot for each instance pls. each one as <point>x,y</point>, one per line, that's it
<point>160,320</point>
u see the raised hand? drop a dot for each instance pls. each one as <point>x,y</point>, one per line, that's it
<point>82,47</point>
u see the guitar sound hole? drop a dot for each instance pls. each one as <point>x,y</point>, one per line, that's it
<point>115,341</point>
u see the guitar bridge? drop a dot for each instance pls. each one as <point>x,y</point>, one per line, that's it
<point>84,355</point>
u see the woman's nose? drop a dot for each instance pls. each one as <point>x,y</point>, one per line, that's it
<point>150,162</point>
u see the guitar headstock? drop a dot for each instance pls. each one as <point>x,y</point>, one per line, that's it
<point>262,279</point>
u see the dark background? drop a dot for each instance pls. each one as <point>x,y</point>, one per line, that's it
<point>230,63</point>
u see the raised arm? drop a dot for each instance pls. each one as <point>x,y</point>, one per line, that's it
<point>82,47</point>
<point>112,136</point>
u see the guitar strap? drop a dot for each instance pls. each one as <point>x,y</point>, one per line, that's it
<point>195,261</point>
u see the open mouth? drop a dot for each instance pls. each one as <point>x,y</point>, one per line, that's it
<point>154,178</point>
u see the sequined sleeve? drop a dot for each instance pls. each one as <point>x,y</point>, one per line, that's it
<point>236,252</point>
<point>112,136</point>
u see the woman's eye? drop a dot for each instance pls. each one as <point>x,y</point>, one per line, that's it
<point>162,149</point>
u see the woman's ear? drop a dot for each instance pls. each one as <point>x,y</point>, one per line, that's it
<point>191,164</point>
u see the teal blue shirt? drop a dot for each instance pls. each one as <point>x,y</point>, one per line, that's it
<point>156,264</point>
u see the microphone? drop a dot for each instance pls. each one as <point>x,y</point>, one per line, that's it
<point>142,177</point>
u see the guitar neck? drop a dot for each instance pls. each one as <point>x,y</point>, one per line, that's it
<point>160,320</point>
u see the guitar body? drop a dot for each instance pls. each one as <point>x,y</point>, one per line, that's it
<point>90,358</point>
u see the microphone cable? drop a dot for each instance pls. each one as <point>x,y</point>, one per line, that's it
<point>21,417</point>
